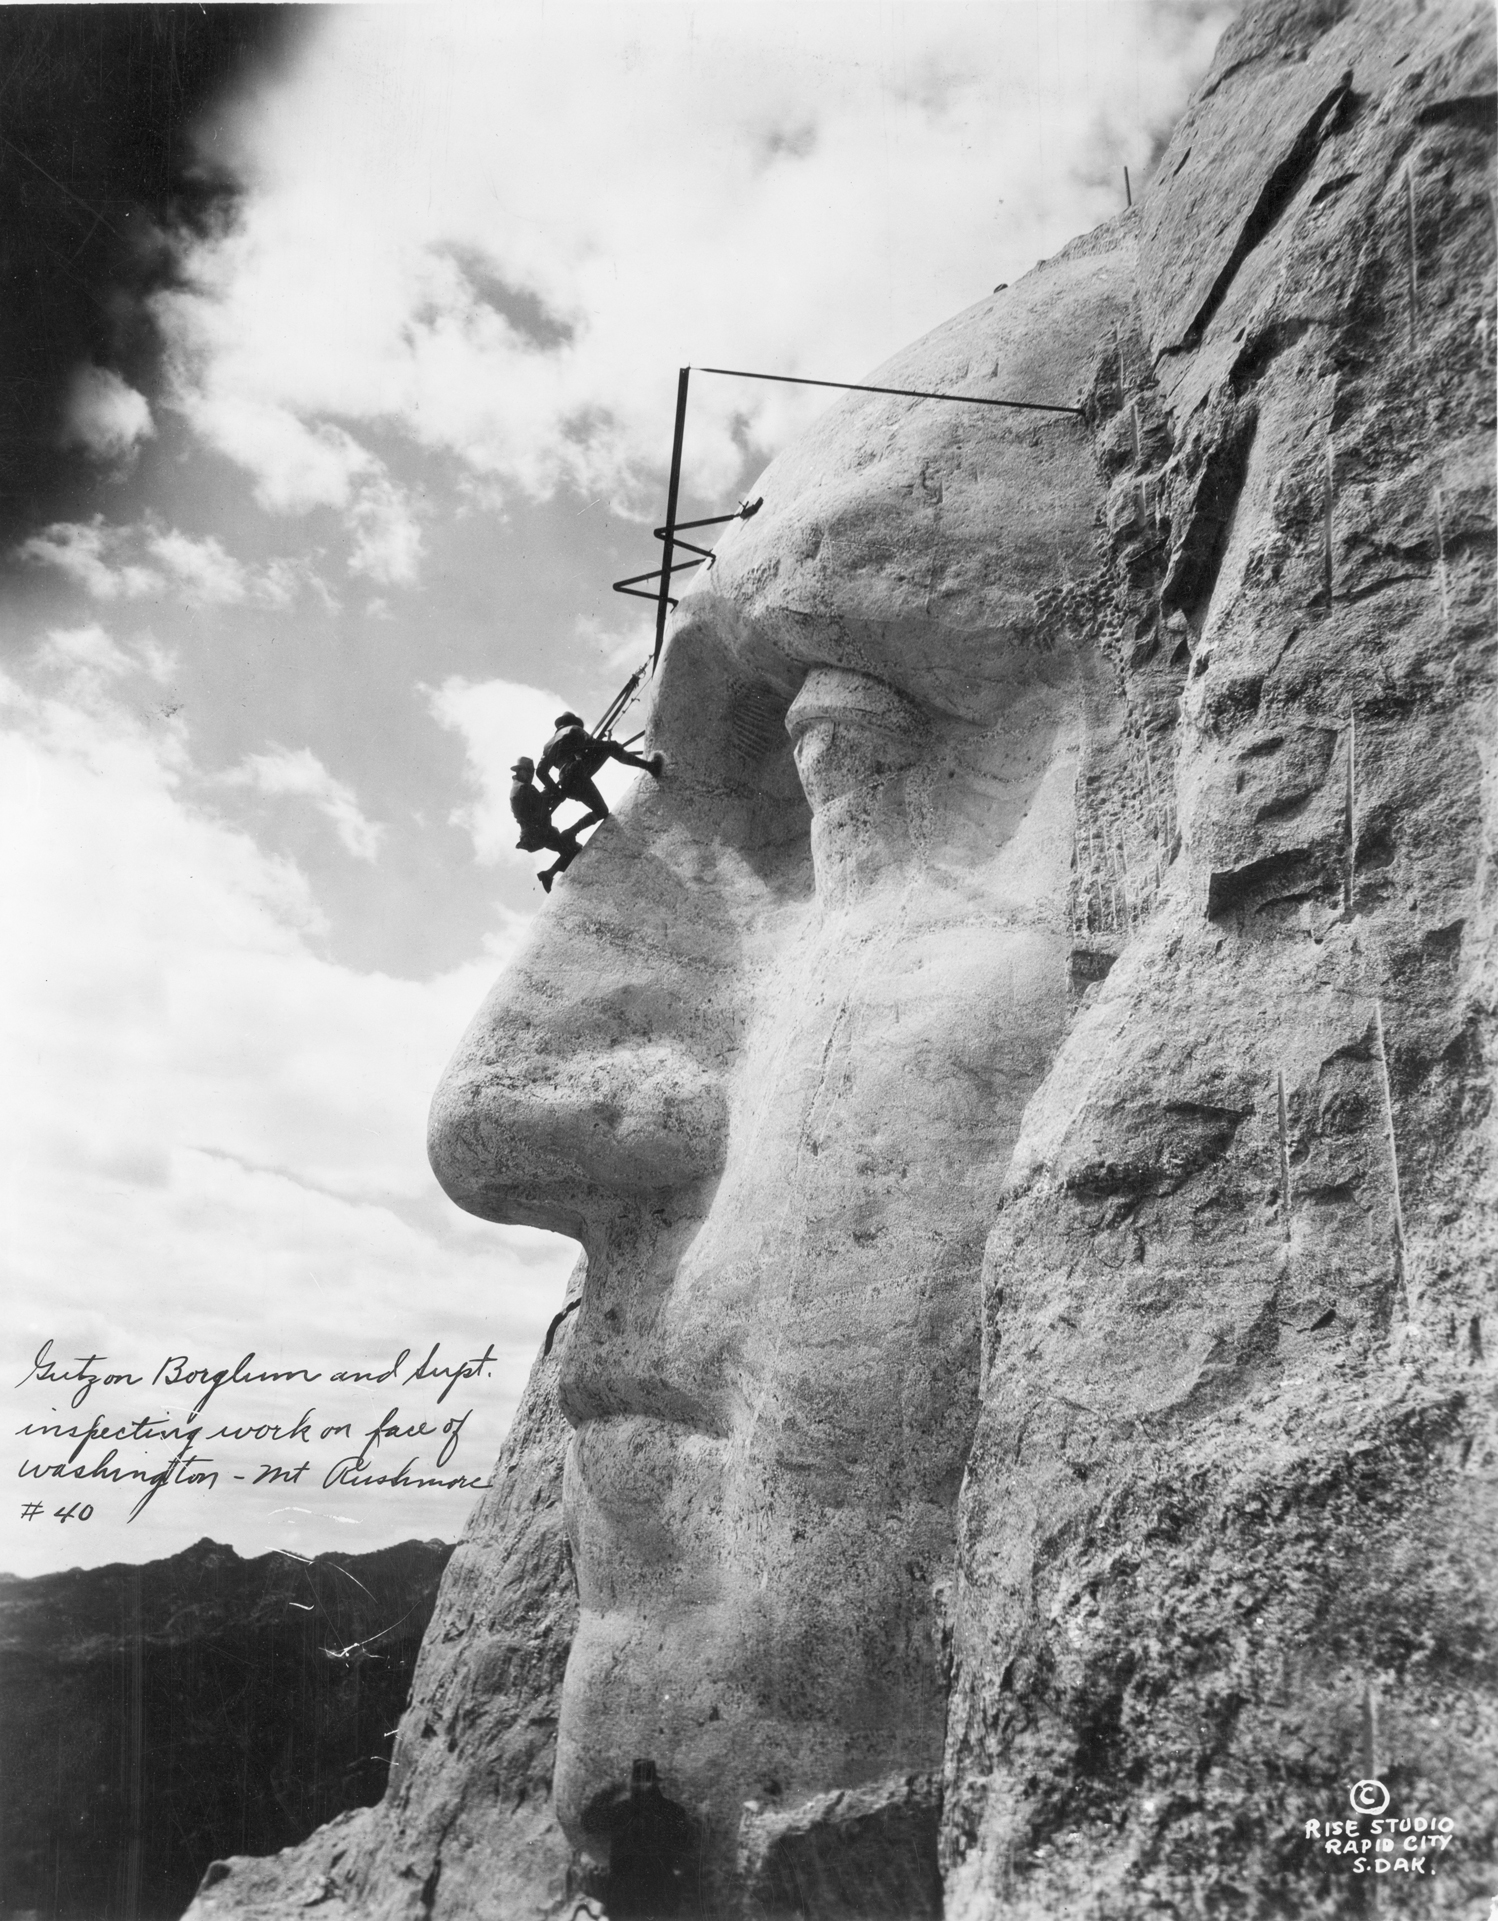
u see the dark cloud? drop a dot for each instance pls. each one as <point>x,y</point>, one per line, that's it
<point>99,168</point>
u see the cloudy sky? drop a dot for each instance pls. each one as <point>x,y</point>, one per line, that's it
<point>325,539</point>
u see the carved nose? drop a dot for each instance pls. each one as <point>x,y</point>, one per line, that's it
<point>578,1082</point>
<point>550,1136</point>
<point>596,1070</point>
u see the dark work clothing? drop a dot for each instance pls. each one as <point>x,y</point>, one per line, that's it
<point>578,787</point>
<point>532,810</point>
<point>577,756</point>
<point>573,750</point>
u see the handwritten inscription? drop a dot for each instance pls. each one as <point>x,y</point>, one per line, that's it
<point>190,1436</point>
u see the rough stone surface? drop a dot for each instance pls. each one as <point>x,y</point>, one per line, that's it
<point>857,1854</point>
<point>1228,1529</point>
<point>1023,1083</point>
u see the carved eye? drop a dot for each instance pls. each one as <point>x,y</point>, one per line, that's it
<point>852,733</point>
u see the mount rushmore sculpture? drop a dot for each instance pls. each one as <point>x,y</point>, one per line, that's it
<point>1022,1081</point>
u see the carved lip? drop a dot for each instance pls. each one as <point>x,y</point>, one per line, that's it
<point>600,1388</point>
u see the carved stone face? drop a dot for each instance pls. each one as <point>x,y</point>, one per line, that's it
<point>766,1056</point>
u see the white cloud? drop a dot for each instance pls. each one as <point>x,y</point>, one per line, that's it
<point>834,180</point>
<point>299,465</point>
<point>296,466</point>
<point>387,541</point>
<point>105,416</point>
<point>206,575</point>
<point>622,647</point>
<point>87,647</point>
<point>302,774</point>
<point>86,554</point>
<point>110,563</point>
<point>158,661</point>
<point>211,1134</point>
<point>88,660</point>
<point>499,721</point>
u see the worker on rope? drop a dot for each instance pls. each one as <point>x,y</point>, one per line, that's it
<point>576,756</point>
<point>533,808</point>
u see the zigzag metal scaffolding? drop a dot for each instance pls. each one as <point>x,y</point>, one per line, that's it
<point>670,532</point>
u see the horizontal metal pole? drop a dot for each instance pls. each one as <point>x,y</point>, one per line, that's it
<point>713,520</point>
<point>640,593</point>
<point>655,574</point>
<point>905,393</point>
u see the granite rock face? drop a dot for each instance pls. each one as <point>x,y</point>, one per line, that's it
<point>1229,1522</point>
<point>1023,1084</point>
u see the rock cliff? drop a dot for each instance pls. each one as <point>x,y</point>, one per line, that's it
<point>1228,1528</point>
<point>1023,1084</point>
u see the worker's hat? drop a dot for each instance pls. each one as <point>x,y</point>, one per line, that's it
<point>568,720</point>
<point>525,765</point>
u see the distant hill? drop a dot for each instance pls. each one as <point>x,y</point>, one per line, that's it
<point>153,1718</point>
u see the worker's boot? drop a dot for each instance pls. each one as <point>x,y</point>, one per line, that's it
<point>657,764</point>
